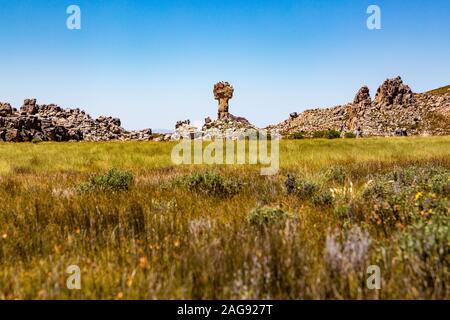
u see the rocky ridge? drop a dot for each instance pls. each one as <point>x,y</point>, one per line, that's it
<point>395,110</point>
<point>33,122</point>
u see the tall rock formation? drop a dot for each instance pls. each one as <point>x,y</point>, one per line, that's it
<point>223,92</point>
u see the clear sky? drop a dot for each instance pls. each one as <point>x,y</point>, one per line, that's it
<point>152,63</point>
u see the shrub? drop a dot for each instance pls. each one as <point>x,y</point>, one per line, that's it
<point>349,135</point>
<point>306,189</point>
<point>290,184</point>
<point>111,180</point>
<point>327,134</point>
<point>298,136</point>
<point>209,183</point>
<point>409,180</point>
<point>333,134</point>
<point>324,198</point>
<point>336,174</point>
<point>36,140</point>
<point>302,188</point>
<point>319,134</point>
<point>429,206</point>
<point>424,247</point>
<point>389,198</point>
<point>265,216</point>
<point>440,184</point>
<point>378,188</point>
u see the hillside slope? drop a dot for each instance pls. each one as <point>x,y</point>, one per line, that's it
<point>441,90</point>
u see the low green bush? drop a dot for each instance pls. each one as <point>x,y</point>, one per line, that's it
<point>266,216</point>
<point>327,134</point>
<point>111,180</point>
<point>323,199</point>
<point>349,135</point>
<point>209,183</point>
<point>336,174</point>
<point>36,140</point>
<point>298,136</point>
<point>302,188</point>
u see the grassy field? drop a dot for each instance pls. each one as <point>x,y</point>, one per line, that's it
<point>153,230</point>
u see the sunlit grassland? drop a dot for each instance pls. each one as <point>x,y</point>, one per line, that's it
<point>140,156</point>
<point>162,241</point>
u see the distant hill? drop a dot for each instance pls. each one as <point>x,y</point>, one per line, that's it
<point>440,90</point>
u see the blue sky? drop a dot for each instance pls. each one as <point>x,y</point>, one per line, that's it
<point>152,63</point>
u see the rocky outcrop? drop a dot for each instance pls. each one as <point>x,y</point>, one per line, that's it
<point>230,128</point>
<point>35,122</point>
<point>362,96</point>
<point>394,93</point>
<point>29,107</point>
<point>223,92</point>
<point>5,109</point>
<point>395,110</point>
<point>227,126</point>
<point>182,123</point>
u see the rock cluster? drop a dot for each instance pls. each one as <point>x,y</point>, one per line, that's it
<point>33,122</point>
<point>231,128</point>
<point>227,126</point>
<point>396,110</point>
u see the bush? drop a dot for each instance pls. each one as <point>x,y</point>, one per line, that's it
<point>36,140</point>
<point>327,134</point>
<point>111,180</point>
<point>409,180</point>
<point>323,199</point>
<point>333,134</point>
<point>298,136</point>
<point>306,189</point>
<point>336,174</point>
<point>302,188</point>
<point>265,216</point>
<point>209,183</point>
<point>349,135</point>
<point>290,184</point>
<point>440,184</point>
<point>395,198</point>
<point>319,134</point>
<point>425,247</point>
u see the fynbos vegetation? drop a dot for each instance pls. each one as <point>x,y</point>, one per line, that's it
<point>147,229</point>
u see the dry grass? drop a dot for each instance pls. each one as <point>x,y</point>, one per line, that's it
<point>163,240</point>
<point>441,90</point>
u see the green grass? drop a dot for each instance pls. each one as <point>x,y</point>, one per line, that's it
<point>169,235</point>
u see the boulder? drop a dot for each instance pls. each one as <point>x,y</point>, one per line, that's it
<point>394,92</point>
<point>13,135</point>
<point>29,107</point>
<point>363,95</point>
<point>5,109</point>
<point>182,123</point>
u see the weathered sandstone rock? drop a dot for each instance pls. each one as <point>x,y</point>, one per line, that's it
<point>223,92</point>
